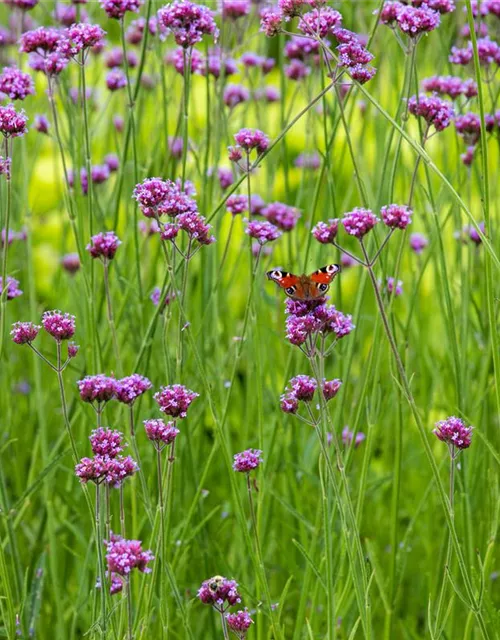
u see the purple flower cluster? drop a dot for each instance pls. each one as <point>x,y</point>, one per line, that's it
<point>302,388</point>
<point>348,437</point>
<point>359,222</point>
<point>80,37</point>
<point>61,326</point>
<point>104,246</point>
<point>281,215</point>
<point>130,388</point>
<point>488,53</point>
<point>418,242</point>
<point>235,94</point>
<point>157,197</point>
<point>234,9</point>
<point>12,288</point>
<point>188,22</point>
<point>24,332</point>
<point>12,122</point>
<point>248,140</point>
<point>394,287</point>
<point>326,232</point>
<point>306,319</point>
<point>105,469</point>
<point>468,126</point>
<point>236,204</point>
<point>451,86</point>
<point>435,111</point>
<point>118,8</point>
<point>106,442</point>
<point>454,432</point>
<point>15,84</point>
<point>122,556</point>
<point>239,623</point>
<point>219,592</point>
<point>174,400</point>
<point>320,22</point>
<point>262,231</point>
<point>396,216</point>
<point>247,461</point>
<point>414,21</point>
<point>161,433</point>
<point>97,389</point>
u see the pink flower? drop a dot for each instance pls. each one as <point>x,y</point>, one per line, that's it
<point>174,400</point>
<point>24,332</point>
<point>61,326</point>
<point>454,432</point>
<point>123,556</point>
<point>247,461</point>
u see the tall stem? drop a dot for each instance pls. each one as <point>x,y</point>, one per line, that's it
<point>100,560</point>
<point>186,61</point>
<point>129,610</point>
<point>122,513</point>
<point>111,319</point>
<point>62,393</point>
<point>427,448</point>
<point>6,225</point>
<point>224,625</point>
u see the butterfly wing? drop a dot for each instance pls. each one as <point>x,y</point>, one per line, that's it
<point>321,279</point>
<point>287,281</point>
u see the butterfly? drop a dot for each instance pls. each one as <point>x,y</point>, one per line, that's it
<point>305,287</point>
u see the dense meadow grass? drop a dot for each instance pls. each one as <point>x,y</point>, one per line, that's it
<point>360,518</point>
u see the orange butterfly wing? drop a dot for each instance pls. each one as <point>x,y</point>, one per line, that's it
<point>326,274</point>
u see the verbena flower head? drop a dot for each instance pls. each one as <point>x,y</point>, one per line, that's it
<point>112,471</point>
<point>297,70</point>
<point>320,22</point>
<point>262,231</point>
<point>15,84</point>
<point>451,86</point>
<point>234,9</point>
<point>454,432</point>
<point>130,388</point>
<point>71,263</point>
<point>303,387</point>
<point>247,460</point>
<point>300,328</point>
<point>237,203</point>
<point>225,177</point>
<point>5,167</point>
<point>281,215</point>
<point>61,326</point>
<point>271,22</point>
<point>239,623</point>
<point>174,400</point>
<point>308,161</point>
<point>123,556</point>
<point>435,111</point>
<point>118,8</point>
<point>235,94</point>
<point>396,216</point>
<point>359,222</point>
<point>97,389</point>
<point>116,80</point>
<point>348,437</point>
<point>468,126</point>
<point>73,350</point>
<point>331,388</point>
<point>193,224</point>
<point>326,232</point>
<point>106,442</point>
<point>13,290</point>
<point>394,287</point>
<point>104,245</point>
<point>24,332</point>
<point>196,61</point>
<point>468,157</point>
<point>418,242</point>
<point>188,22</point>
<point>24,5</point>
<point>12,123</point>
<point>41,124</point>
<point>42,40</point>
<point>415,21</point>
<point>252,139</point>
<point>160,433</point>
<point>51,64</point>
<point>80,37</point>
<point>219,592</point>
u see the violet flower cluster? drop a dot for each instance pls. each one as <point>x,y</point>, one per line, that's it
<point>107,466</point>
<point>454,433</point>
<point>310,323</point>
<point>302,389</point>
<point>122,557</point>
<point>220,593</point>
<point>157,197</point>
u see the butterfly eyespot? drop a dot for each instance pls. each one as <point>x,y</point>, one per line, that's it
<point>323,287</point>
<point>290,290</point>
